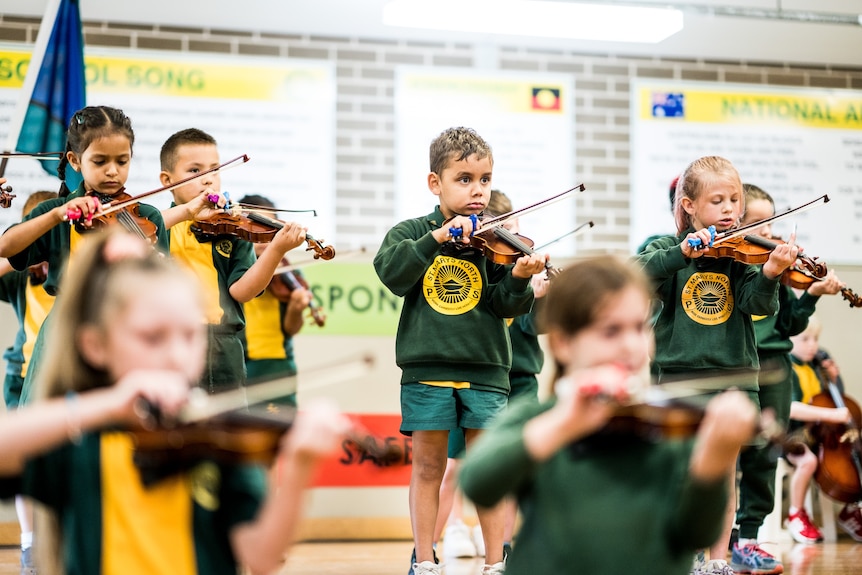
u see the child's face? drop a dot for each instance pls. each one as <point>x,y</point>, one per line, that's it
<point>805,345</point>
<point>719,204</point>
<point>193,159</point>
<point>160,328</point>
<point>104,165</point>
<point>464,186</point>
<point>618,335</point>
<point>755,211</point>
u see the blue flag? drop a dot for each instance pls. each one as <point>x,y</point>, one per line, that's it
<point>59,90</point>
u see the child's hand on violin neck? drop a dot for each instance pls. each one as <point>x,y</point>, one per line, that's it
<point>292,235</point>
<point>318,430</point>
<point>146,395</point>
<point>729,422</point>
<point>781,258</point>
<point>529,265</point>
<point>829,285</point>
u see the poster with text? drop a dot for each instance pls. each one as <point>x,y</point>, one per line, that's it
<point>798,144</point>
<point>280,113</point>
<point>528,120</point>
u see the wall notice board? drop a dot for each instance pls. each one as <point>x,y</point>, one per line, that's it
<point>795,143</point>
<point>279,112</point>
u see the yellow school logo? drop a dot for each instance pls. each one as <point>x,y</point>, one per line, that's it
<point>452,286</point>
<point>707,299</point>
<point>205,480</point>
<point>224,247</point>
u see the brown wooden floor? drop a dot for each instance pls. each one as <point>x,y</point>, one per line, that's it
<point>391,558</point>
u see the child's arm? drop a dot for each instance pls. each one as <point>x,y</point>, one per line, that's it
<point>5,267</point>
<point>294,316</point>
<point>729,422</point>
<point>813,413</point>
<point>261,544</point>
<point>258,276</point>
<point>662,258</point>
<point>38,427</point>
<point>781,258</point>
<point>18,237</point>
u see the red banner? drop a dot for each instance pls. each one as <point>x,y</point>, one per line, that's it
<point>382,460</point>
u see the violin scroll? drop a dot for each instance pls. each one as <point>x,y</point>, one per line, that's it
<point>6,196</point>
<point>320,251</point>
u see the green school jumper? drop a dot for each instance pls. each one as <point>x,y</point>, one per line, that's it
<point>452,325</point>
<point>757,484</point>
<point>70,481</point>
<point>705,322</point>
<point>617,507</point>
<point>57,246</point>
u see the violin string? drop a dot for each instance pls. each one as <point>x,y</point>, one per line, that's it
<point>204,406</point>
<point>130,224</point>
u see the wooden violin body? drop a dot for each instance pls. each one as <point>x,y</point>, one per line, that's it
<point>255,228</point>
<point>129,218</point>
<point>839,469</point>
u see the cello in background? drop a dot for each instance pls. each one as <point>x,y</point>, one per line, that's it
<point>839,472</point>
<point>283,283</point>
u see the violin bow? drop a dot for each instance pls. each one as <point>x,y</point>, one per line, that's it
<point>203,406</point>
<point>294,266</point>
<point>502,219</point>
<point>238,161</point>
<point>575,232</point>
<point>730,234</point>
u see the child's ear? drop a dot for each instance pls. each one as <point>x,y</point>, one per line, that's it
<point>91,343</point>
<point>687,205</point>
<point>165,178</point>
<point>434,183</point>
<point>73,160</point>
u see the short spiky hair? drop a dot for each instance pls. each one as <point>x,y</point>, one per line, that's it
<point>168,155</point>
<point>457,144</point>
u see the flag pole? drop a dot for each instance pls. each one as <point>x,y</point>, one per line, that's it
<point>16,122</point>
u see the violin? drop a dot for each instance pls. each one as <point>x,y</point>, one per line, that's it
<point>6,196</point>
<point>283,284</point>
<point>839,469</point>
<point>253,227</point>
<point>498,244</point>
<point>241,426</point>
<point>129,217</point>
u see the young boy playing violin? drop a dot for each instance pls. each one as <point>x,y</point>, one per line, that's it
<point>773,336</point>
<point>229,270</point>
<point>452,343</point>
<point>271,321</point>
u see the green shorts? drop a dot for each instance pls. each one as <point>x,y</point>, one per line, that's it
<point>225,365</point>
<point>428,407</point>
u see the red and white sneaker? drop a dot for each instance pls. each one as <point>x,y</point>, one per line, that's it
<point>802,529</point>
<point>850,520</point>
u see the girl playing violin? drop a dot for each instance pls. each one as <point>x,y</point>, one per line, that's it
<point>583,504</point>
<point>130,316</point>
<point>707,303</point>
<point>773,334</point>
<point>271,322</point>
<point>99,144</point>
<point>810,368</point>
<point>229,271</point>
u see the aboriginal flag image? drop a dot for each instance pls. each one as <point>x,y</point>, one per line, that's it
<point>546,98</point>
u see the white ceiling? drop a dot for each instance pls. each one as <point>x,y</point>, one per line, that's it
<point>708,33</point>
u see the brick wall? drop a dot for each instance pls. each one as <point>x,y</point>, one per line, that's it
<point>365,162</point>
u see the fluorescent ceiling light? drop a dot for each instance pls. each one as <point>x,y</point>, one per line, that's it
<point>611,23</point>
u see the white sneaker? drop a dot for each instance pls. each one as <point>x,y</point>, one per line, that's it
<point>427,568</point>
<point>495,569</point>
<point>478,541</point>
<point>457,542</point>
